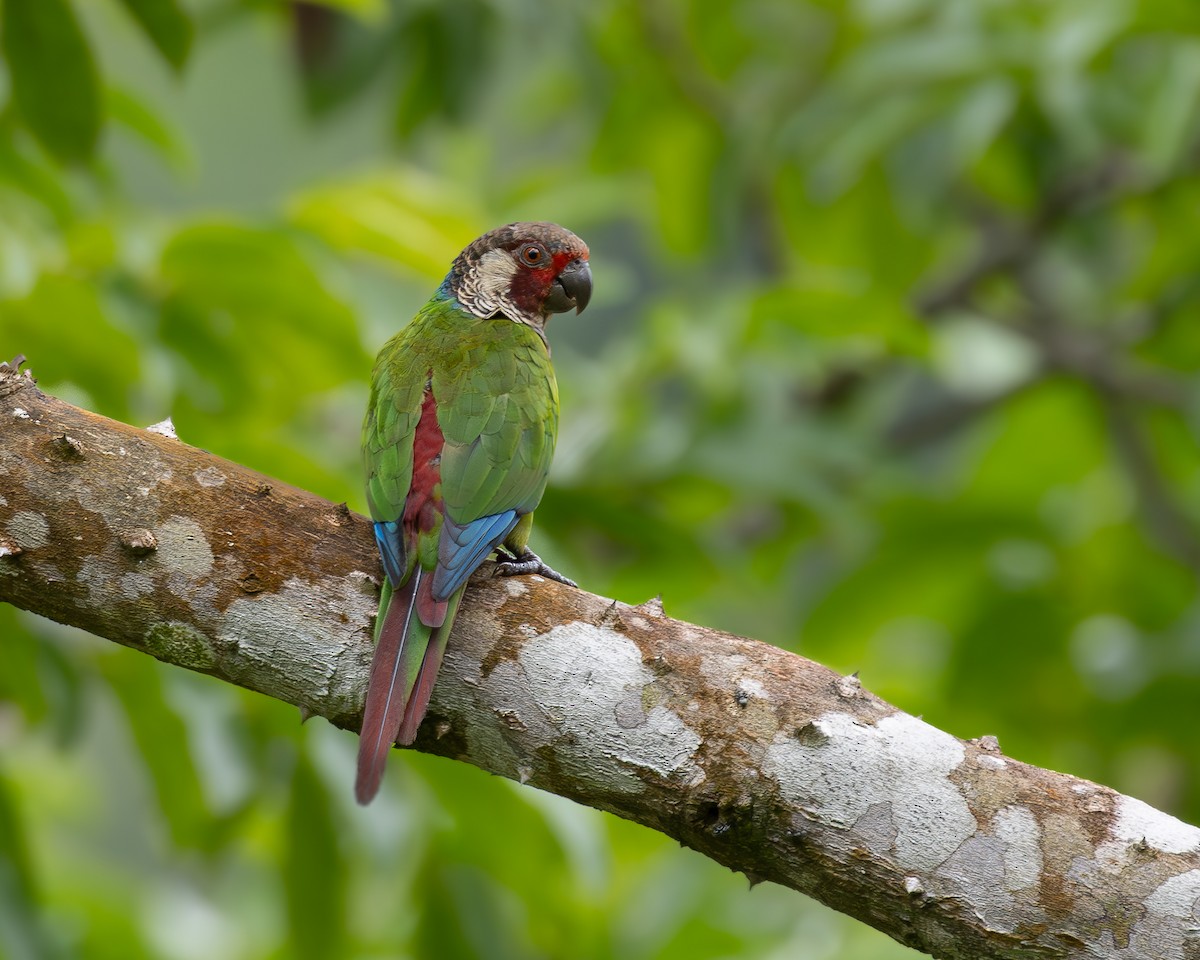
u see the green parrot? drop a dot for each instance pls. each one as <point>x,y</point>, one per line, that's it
<point>457,443</point>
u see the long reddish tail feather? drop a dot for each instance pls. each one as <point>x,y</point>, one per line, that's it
<point>385,702</point>
<point>418,703</point>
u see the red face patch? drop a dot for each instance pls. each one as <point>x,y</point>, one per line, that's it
<point>531,285</point>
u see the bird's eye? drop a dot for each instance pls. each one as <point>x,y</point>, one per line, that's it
<point>532,254</point>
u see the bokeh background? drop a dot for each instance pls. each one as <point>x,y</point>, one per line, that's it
<point>890,362</point>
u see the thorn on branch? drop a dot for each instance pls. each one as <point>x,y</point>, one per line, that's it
<point>11,375</point>
<point>1143,850</point>
<point>849,688</point>
<point>367,585</point>
<point>139,542</point>
<point>811,735</point>
<point>12,368</point>
<point>798,837</point>
<point>609,617</point>
<point>68,447</point>
<point>164,428</point>
<point>652,607</point>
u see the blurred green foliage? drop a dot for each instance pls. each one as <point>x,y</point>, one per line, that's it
<point>890,362</point>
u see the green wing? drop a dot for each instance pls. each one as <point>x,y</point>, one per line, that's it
<point>498,410</point>
<point>392,415</point>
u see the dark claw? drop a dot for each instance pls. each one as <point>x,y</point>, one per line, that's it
<point>527,562</point>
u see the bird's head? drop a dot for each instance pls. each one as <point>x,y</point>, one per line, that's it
<point>523,271</point>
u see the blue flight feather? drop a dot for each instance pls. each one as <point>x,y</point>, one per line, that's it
<point>391,550</point>
<point>461,549</point>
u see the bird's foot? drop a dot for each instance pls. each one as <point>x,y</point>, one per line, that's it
<point>526,562</point>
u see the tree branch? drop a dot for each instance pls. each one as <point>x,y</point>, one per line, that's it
<point>757,758</point>
<point>1006,248</point>
<point>1167,522</point>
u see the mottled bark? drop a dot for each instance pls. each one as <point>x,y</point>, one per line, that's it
<point>761,760</point>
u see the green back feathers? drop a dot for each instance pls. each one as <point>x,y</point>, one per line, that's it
<point>497,406</point>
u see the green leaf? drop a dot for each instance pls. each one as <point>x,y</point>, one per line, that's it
<point>365,9</point>
<point>468,915</point>
<point>34,177</point>
<point>406,217</point>
<point>132,113</point>
<point>314,872</point>
<point>261,279</point>
<point>16,870</point>
<point>1170,113</point>
<point>341,56</point>
<point>53,76</point>
<point>167,25</point>
<point>22,930</point>
<point>66,323</point>
<point>683,191</point>
<point>20,680</point>
<point>162,741</point>
<point>443,53</point>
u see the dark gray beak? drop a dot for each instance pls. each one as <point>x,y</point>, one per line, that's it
<point>572,289</point>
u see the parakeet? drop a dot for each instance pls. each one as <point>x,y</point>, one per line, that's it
<point>457,443</point>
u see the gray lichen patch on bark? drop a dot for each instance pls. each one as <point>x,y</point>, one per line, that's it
<point>1170,926</point>
<point>183,549</point>
<point>209,477</point>
<point>28,530</point>
<point>582,690</point>
<point>1139,823</point>
<point>589,684</point>
<point>900,762</point>
<point>303,643</point>
<point>1018,830</point>
<point>180,643</point>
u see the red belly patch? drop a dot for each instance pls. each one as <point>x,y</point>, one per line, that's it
<point>423,506</point>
